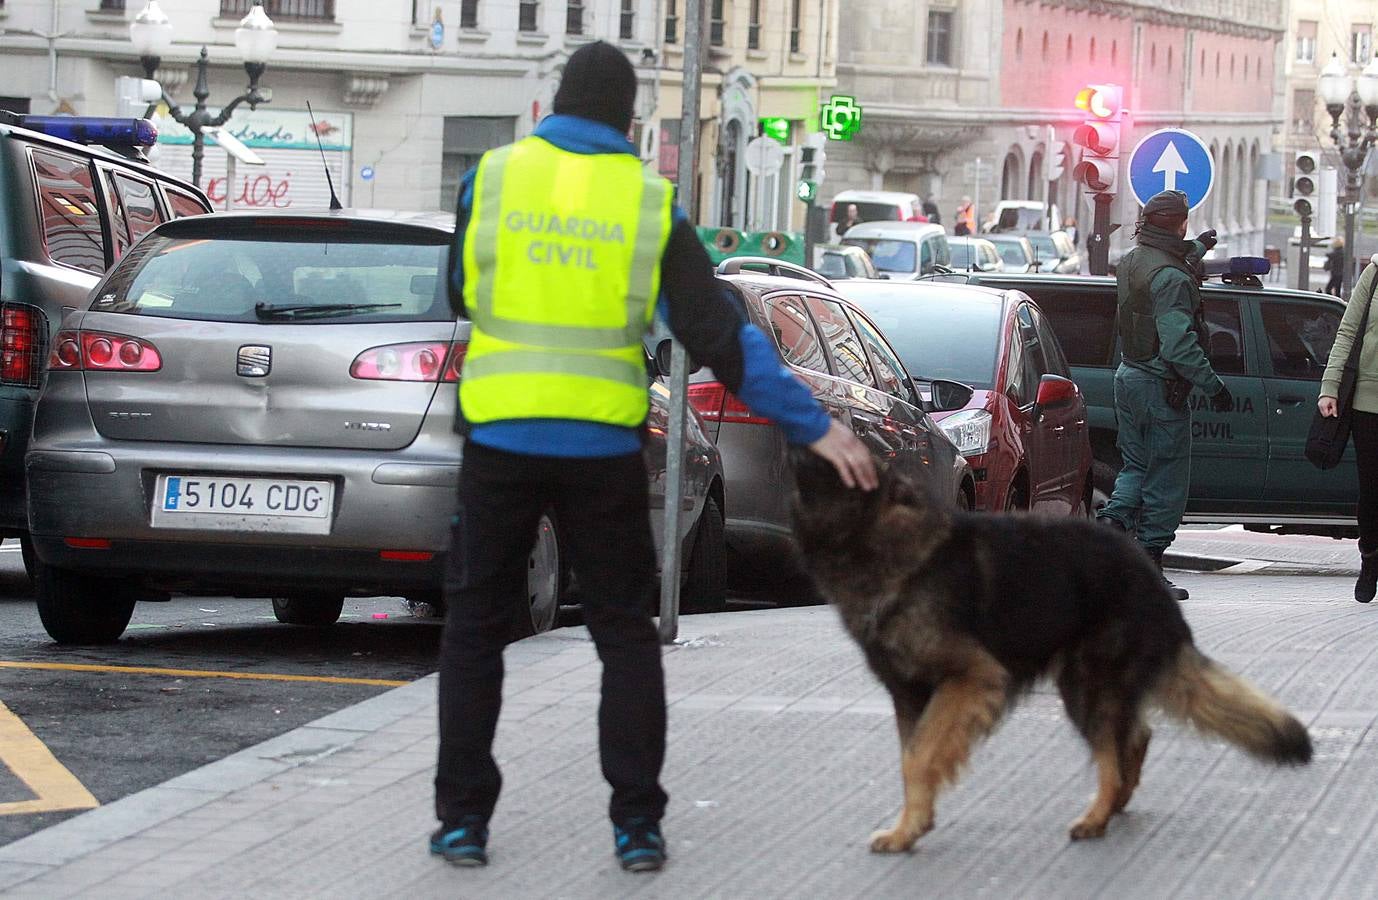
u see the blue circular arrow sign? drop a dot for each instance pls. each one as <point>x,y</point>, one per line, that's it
<point>1171,159</point>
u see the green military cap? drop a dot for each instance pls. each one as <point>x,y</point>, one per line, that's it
<point>1166,203</point>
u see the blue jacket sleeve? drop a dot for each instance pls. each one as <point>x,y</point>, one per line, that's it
<point>456,262</point>
<point>771,390</point>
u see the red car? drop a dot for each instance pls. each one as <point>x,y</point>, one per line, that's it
<point>1024,430</point>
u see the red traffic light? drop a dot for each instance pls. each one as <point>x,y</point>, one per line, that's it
<point>1097,174</point>
<point>1101,100</point>
<point>1101,138</point>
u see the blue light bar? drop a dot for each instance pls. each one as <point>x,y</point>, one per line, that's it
<point>1238,265</point>
<point>95,130</point>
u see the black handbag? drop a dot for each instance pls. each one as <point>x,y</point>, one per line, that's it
<point>1329,435</point>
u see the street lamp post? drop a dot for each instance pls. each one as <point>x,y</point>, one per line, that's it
<point>256,38</point>
<point>1360,97</point>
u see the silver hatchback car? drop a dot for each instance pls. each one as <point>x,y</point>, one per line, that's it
<point>263,405</point>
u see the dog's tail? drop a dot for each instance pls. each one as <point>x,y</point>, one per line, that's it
<point>1223,704</point>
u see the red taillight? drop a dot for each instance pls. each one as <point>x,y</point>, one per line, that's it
<point>715,403</point>
<point>99,351</point>
<point>87,543</point>
<point>406,555</point>
<point>429,361</point>
<point>21,336</point>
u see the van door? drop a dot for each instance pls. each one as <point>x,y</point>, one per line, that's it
<point>1228,450</point>
<point>1298,335</point>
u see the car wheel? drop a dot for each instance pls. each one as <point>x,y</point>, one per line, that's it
<point>705,588</point>
<point>1015,501</point>
<point>1087,507</point>
<point>81,609</point>
<point>963,500</point>
<point>27,555</point>
<point>544,580</point>
<point>308,609</point>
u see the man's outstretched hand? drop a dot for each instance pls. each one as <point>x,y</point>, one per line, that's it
<point>848,456</point>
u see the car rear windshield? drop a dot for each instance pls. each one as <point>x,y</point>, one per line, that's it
<point>288,278</point>
<point>888,256</point>
<point>963,255</point>
<point>1012,252</point>
<point>867,212</point>
<point>956,337</point>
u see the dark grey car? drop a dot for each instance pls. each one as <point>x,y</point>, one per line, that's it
<point>263,405</point>
<point>834,348</point>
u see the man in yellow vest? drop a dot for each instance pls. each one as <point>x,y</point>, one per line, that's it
<point>564,246</point>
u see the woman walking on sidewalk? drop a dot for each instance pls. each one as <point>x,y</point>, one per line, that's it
<point>1363,410</point>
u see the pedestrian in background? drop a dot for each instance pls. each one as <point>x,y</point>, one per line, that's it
<point>966,218</point>
<point>554,401</point>
<point>853,218</point>
<point>1363,412</point>
<point>1334,264</point>
<point>930,209</point>
<point>1160,328</point>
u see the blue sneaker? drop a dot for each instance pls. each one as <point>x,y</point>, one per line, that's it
<point>464,844</point>
<point>639,845</point>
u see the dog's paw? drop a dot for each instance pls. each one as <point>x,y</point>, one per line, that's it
<point>895,840</point>
<point>1084,829</point>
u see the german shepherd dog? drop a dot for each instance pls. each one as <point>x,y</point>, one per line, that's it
<point>959,613</point>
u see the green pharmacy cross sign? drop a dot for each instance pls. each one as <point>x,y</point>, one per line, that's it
<point>840,118</point>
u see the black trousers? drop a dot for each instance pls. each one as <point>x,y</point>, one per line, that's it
<point>602,508</point>
<point>1364,432</point>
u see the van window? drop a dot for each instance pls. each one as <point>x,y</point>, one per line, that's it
<point>71,217</point>
<point>134,211</point>
<point>1299,337</point>
<point>1225,335</point>
<point>888,255</point>
<point>1084,324</point>
<point>867,212</point>
<point>181,204</point>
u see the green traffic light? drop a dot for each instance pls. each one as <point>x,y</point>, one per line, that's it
<point>777,128</point>
<point>806,191</point>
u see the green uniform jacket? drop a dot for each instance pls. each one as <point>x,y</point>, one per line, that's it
<point>1366,385</point>
<point>1175,301</point>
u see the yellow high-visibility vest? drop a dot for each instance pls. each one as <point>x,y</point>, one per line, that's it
<point>561,275</point>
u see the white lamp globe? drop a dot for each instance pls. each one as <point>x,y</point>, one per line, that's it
<point>256,37</point>
<point>1334,82</point>
<point>151,31</point>
<point>1368,83</point>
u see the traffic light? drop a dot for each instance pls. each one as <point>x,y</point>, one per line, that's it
<point>1304,182</point>
<point>1099,136</point>
<point>1056,159</point>
<point>811,159</point>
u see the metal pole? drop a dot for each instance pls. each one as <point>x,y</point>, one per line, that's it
<point>976,203</point>
<point>1354,185</point>
<point>201,92</point>
<point>1304,256</point>
<point>679,370</point>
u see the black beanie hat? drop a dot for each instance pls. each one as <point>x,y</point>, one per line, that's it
<point>599,83</point>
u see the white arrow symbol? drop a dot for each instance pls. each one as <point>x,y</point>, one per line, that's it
<point>1170,164</point>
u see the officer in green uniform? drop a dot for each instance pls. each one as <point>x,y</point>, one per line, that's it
<point>1160,330</point>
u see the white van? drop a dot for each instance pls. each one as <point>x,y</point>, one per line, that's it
<point>901,250</point>
<point>1026,215</point>
<point>876,206</point>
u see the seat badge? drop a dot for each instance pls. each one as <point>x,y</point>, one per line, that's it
<point>254,361</point>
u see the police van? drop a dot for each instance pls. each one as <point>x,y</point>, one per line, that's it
<point>75,196</point>
<point>1270,345</point>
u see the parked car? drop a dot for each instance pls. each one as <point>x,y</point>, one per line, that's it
<point>974,254</point>
<point>876,206</point>
<point>841,355</point>
<point>1016,252</point>
<point>1024,430</point>
<point>903,250</point>
<point>836,261</point>
<point>74,197</point>
<point>1270,346</point>
<point>1054,252</point>
<point>263,404</point>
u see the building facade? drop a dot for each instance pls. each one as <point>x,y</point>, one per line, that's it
<point>407,94</point>
<point>1318,30</point>
<point>945,84</point>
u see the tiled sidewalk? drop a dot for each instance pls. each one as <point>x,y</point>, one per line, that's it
<point>782,760</point>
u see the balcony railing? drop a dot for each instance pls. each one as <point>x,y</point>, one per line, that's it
<point>300,10</point>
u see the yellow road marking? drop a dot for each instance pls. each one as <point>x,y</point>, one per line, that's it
<point>198,673</point>
<point>54,787</point>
